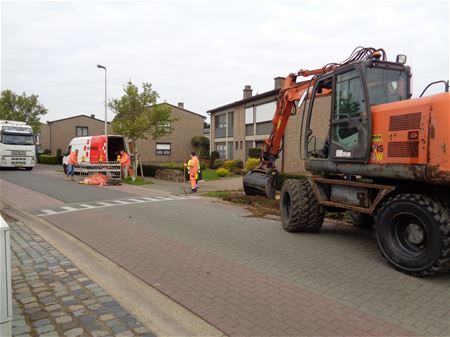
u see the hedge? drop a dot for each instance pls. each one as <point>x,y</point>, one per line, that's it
<point>212,158</point>
<point>283,176</point>
<point>46,159</point>
<point>150,169</point>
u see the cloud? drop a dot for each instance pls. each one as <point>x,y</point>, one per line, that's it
<point>202,52</point>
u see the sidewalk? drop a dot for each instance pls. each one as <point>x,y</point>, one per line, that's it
<point>52,297</point>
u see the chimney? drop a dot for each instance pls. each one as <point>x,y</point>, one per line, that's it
<point>247,91</point>
<point>279,81</point>
<point>92,116</point>
<point>181,105</point>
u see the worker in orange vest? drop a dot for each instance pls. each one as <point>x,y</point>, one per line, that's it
<point>193,165</point>
<point>125,163</point>
<point>73,160</point>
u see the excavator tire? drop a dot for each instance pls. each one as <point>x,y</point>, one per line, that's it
<point>300,211</point>
<point>362,220</point>
<point>413,233</point>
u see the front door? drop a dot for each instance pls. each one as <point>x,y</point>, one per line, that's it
<point>350,127</point>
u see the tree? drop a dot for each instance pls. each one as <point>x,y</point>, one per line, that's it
<point>138,115</point>
<point>21,108</point>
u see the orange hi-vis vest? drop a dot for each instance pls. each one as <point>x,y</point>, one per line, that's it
<point>72,158</point>
<point>193,165</point>
<point>125,160</point>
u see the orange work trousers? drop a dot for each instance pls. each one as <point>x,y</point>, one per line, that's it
<point>192,176</point>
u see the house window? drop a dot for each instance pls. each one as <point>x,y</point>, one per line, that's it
<point>249,115</point>
<point>222,149</point>
<point>81,131</point>
<point>265,112</point>
<point>221,121</point>
<point>162,149</point>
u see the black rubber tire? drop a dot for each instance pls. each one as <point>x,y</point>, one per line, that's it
<point>430,254</point>
<point>28,168</point>
<point>299,209</point>
<point>362,220</point>
<point>65,168</point>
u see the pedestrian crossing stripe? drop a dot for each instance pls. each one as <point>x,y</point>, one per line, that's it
<point>110,203</point>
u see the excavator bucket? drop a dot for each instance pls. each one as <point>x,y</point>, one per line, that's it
<point>260,182</point>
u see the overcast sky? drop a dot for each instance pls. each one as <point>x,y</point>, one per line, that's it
<point>202,53</point>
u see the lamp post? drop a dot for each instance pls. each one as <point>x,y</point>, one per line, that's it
<point>106,114</point>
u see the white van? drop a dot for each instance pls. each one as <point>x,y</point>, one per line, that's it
<point>92,149</point>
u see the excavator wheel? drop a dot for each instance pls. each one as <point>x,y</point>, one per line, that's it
<point>413,233</point>
<point>300,211</point>
<point>362,220</point>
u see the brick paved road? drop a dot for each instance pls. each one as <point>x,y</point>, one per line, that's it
<point>51,297</point>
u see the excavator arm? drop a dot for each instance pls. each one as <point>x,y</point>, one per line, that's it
<point>261,180</point>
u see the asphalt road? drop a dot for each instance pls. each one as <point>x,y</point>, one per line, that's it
<point>66,191</point>
<point>188,247</point>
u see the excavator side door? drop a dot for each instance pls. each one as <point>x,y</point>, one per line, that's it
<point>349,138</point>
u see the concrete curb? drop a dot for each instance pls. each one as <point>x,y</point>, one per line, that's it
<point>155,310</point>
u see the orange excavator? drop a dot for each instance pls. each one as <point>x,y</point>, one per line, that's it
<point>382,155</point>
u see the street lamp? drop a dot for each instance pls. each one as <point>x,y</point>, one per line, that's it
<point>106,116</point>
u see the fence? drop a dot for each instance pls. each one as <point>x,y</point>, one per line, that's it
<point>111,169</point>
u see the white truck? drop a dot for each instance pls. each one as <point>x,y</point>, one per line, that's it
<point>17,145</point>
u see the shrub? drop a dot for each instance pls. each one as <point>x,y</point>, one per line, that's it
<point>202,166</point>
<point>214,156</point>
<point>254,152</point>
<point>230,165</point>
<point>203,154</point>
<point>222,172</point>
<point>283,176</point>
<point>239,164</point>
<point>251,163</point>
<point>218,163</point>
<point>46,159</point>
<point>150,169</point>
<point>47,151</point>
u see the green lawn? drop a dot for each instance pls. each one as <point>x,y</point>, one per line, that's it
<point>138,181</point>
<point>209,174</point>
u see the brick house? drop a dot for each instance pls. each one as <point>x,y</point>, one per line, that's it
<point>173,148</point>
<point>176,146</point>
<point>246,123</point>
<point>58,133</point>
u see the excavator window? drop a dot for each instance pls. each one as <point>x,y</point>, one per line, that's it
<point>386,85</point>
<point>318,129</point>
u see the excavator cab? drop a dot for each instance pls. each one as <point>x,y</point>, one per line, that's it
<point>342,100</point>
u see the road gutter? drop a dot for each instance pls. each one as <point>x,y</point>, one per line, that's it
<point>156,311</point>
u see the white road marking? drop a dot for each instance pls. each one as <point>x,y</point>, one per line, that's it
<point>87,206</point>
<point>48,211</point>
<point>107,204</point>
<point>68,208</point>
<point>111,203</point>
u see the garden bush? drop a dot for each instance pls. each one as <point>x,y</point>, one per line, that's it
<point>230,165</point>
<point>218,163</point>
<point>251,163</point>
<point>222,172</point>
<point>46,159</point>
<point>203,166</point>
<point>150,169</point>
<point>254,152</point>
<point>213,157</point>
<point>239,164</point>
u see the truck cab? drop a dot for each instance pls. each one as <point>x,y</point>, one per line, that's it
<point>17,145</point>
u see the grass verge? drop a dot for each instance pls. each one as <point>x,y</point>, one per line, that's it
<point>138,181</point>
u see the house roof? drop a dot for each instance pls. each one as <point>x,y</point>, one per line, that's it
<point>176,106</point>
<point>63,119</point>
<point>245,100</point>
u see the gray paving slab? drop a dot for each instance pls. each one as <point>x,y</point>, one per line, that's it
<point>38,270</point>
